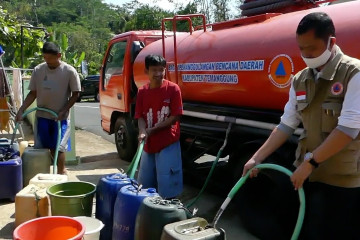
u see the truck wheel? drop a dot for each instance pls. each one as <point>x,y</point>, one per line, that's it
<point>125,138</point>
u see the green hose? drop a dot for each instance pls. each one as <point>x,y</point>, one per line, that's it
<point>135,162</point>
<point>58,137</point>
<point>242,180</point>
<point>212,168</point>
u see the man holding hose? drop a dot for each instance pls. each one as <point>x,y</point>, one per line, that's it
<point>158,110</point>
<point>325,98</point>
<point>56,86</point>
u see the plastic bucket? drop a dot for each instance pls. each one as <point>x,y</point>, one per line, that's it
<point>93,227</point>
<point>50,228</point>
<point>71,198</point>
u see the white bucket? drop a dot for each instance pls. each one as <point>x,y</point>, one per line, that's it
<point>93,227</point>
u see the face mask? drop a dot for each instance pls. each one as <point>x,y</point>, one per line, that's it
<point>320,60</point>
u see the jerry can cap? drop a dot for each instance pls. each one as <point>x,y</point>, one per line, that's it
<point>151,190</point>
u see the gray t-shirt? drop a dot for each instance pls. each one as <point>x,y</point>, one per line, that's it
<point>53,87</point>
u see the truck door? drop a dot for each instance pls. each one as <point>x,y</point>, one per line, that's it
<point>114,82</point>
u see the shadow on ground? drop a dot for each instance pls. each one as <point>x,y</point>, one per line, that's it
<point>95,158</point>
<point>6,231</point>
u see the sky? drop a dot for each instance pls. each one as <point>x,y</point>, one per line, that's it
<point>166,5</point>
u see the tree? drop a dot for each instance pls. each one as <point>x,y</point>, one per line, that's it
<point>90,24</point>
<point>10,39</point>
<point>205,7</point>
<point>190,8</point>
<point>146,18</point>
<point>221,10</point>
<point>73,58</point>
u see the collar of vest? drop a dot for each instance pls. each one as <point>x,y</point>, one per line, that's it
<point>329,70</point>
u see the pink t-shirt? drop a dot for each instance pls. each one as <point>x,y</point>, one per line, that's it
<point>155,106</point>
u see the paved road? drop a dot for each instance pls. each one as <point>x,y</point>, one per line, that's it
<point>87,117</point>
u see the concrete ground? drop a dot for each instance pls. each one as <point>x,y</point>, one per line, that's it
<point>98,158</point>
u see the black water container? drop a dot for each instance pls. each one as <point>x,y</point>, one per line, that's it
<point>154,213</point>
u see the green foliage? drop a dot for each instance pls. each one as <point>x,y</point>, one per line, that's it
<point>10,39</point>
<point>71,57</point>
<point>84,28</point>
<point>146,18</point>
<point>190,8</point>
<point>221,10</point>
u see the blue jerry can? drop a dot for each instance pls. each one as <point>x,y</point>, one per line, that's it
<point>10,177</point>
<point>126,208</point>
<point>106,193</point>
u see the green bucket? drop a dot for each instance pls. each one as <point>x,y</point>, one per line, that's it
<point>72,198</point>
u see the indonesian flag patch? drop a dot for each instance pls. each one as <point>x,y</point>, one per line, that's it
<point>300,95</point>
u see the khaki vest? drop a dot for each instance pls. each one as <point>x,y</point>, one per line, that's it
<point>320,111</point>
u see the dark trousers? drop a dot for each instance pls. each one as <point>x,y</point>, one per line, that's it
<point>331,213</point>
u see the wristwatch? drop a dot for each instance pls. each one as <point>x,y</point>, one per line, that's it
<point>309,157</point>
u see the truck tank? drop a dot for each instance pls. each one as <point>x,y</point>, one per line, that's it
<point>248,62</point>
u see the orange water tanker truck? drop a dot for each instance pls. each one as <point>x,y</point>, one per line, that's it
<point>238,72</point>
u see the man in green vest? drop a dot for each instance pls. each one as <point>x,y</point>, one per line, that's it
<point>325,98</point>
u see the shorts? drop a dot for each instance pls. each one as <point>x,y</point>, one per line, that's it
<point>163,171</point>
<point>47,133</point>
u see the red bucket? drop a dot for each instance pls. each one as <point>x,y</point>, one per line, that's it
<point>50,228</point>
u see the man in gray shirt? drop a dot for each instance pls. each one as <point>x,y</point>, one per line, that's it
<point>56,86</point>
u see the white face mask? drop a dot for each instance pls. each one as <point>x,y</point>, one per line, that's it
<point>320,60</point>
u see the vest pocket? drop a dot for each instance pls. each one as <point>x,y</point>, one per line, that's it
<point>300,150</point>
<point>353,152</point>
<point>301,106</point>
<point>347,161</point>
<point>329,116</point>
<point>354,145</point>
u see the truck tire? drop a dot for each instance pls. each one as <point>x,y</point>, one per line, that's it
<point>125,138</point>
<point>267,8</point>
<point>258,3</point>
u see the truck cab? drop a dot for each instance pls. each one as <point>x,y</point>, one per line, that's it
<point>118,90</point>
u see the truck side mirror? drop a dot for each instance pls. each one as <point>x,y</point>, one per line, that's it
<point>136,47</point>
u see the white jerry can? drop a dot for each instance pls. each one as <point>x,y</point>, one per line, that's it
<point>191,229</point>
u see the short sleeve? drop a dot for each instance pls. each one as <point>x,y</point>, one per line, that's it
<point>139,106</point>
<point>176,106</point>
<point>75,85</point>
<point>350,112</point>
<point>32,85</point>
